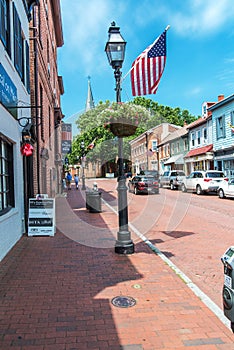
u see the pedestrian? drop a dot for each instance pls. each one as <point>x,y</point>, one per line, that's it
<point>68,179</point>
<point>76,178</point>
<point>64,184</point>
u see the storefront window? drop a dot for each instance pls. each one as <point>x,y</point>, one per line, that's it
<point>6,176</point>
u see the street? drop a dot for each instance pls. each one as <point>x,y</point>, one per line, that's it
<point>192,231</point>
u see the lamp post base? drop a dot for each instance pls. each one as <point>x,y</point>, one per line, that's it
<point>124,249</point>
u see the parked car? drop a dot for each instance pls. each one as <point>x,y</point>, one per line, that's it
<point>226,189</point>
<point>172,179</point>
<point>203,181</point>
<point>143,184</point>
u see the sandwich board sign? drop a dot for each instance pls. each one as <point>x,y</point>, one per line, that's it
<point>41,218</point>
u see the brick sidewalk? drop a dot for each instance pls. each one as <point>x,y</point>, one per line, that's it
<point>56,292</point>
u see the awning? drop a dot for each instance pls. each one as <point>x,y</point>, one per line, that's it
<point>201,150</point>
<point>178,159</point>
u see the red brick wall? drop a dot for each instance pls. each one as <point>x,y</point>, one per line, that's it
<point>48,144</point>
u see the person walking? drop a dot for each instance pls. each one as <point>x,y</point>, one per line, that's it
<point>76,178</point>
<point>68,180</point>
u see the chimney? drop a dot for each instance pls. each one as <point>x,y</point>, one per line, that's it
<point>220,98</point>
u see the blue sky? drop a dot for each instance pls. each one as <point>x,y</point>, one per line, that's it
<point>200,49</point>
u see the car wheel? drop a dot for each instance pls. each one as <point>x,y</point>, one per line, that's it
<point>199,190</point>
<point>221,193</point>
<point>172,186</point>
<point>136,191</point>
<point>183,188</point>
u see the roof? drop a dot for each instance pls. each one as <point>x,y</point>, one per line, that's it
<point>197,151</point>
<point>198,122</point>
<point>174,135</point>
<point>222,102</point>
<point>151,130</point>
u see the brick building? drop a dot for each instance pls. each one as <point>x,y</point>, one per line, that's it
<point>145,154</point>
<point>46,37</point>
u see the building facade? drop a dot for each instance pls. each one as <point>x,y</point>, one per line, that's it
<point>223,135</point>
<point>145,154</point>
<point>46,36</point>
<point>200,155</point>
<point>14,114</point>
<point>173,149</point>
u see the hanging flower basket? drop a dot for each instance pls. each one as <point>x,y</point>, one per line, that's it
<point>123,119</point>
<point>26,149</point>
<point>120,129</point>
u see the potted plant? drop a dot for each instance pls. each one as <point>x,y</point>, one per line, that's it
<point>122,119</point>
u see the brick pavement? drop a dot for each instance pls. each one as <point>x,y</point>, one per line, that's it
<point>56,292</point>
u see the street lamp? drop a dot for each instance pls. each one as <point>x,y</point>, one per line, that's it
<point>115,50</point>
<point>82,146</point>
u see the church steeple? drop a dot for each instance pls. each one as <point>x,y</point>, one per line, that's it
<point>90,101</point>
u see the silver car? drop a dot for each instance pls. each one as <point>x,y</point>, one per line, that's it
<point>203,181</point>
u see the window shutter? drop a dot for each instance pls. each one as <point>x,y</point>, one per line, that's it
<point>18,50</point>
<point>27,67</point>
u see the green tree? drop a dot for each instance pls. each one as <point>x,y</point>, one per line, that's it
<point>91,126</point>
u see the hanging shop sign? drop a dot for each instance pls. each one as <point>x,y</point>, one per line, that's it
<point>8,92</point>
<point>41,218</point>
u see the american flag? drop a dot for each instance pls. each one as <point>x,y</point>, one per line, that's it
<point>92,144</point>
<point>148,68</point>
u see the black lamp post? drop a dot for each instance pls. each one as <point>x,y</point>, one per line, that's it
<point>82,146</point>
<point>115,50</point>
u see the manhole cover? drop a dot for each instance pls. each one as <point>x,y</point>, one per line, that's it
<point>122,301</point>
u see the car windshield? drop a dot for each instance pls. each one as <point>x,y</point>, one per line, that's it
<point>178,173</point>
<point>146,178</point>
<point>151,173</point>
<point>215,174</point>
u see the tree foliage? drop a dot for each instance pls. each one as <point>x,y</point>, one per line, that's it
<point>92,129</point>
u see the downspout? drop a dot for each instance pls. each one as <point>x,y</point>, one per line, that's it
<point>36,96</point>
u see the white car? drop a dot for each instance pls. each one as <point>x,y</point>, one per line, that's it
<point>203,181</point>
<point>226,189</point>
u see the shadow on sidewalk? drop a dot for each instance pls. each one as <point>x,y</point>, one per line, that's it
<point>56,292</point>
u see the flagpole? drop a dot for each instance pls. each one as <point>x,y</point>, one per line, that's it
<point>166,29</point>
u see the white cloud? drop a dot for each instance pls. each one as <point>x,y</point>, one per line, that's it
<point>194,91</point>
<point>202,17</point>
<point>188,17</point>
<point>85,26</point>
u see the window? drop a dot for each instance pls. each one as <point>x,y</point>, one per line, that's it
<point>220,127</point>
<point>204,110</point>
<point>193,139</point>
<point>6,176</point>
<point>154,146</point>
<point>27,75</point>
<point>205,134</point>
<point>5,25</point>
<point>232,122</point>
<point>173,148</point>
<point>198,137</point>
<point>41,114</point>
<point>18,44</point>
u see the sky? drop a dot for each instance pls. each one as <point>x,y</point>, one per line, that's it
<point>200,50</point>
